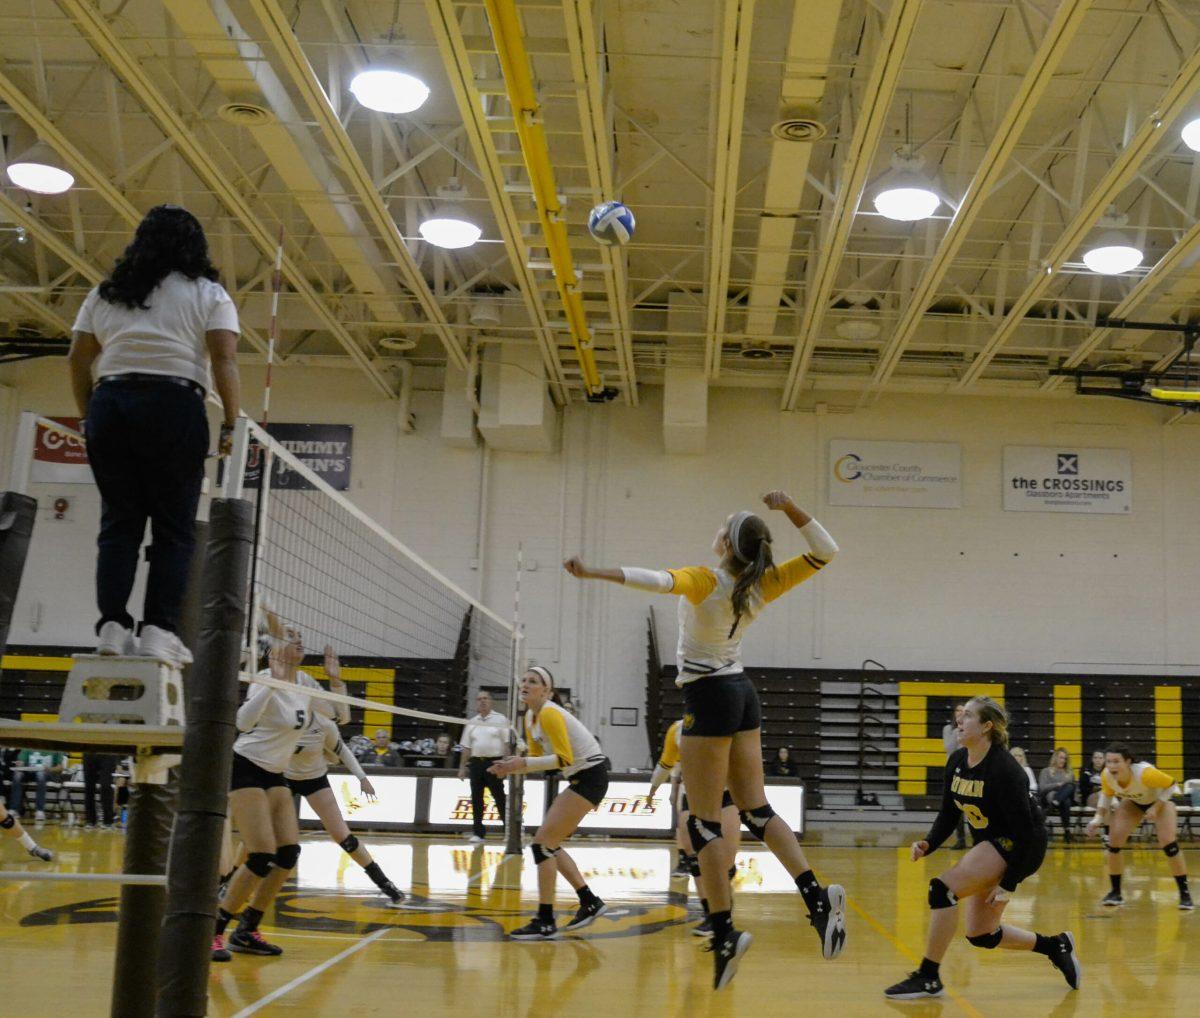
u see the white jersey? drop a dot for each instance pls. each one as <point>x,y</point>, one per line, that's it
<point>320,745</point>
<point>271,722</point>
<point>1147,785</point>
<point>560,734</point>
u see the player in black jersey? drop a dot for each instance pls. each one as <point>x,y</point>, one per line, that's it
<point>990,789</point>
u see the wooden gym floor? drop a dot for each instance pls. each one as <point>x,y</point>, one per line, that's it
<point>345,955</point>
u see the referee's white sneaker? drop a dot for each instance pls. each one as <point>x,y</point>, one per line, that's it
<point>116,640</point>
<point>165,646</point>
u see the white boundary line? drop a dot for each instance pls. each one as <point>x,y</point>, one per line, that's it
<point>287,988</point>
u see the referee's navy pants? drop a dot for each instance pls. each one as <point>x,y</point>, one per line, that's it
<point>146,442</point>
<point>477,769</point>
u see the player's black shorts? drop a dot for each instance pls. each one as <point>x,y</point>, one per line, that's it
<point>1145,807</point>
<point>726,800</point>
<point>1021,865</point>
<point>721,705</point>
<point>247,774</point>
<point>308,786</point>
<point>592,783</point>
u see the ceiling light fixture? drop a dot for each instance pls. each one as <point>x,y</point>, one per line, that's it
<point>1191,134</point>
<point>905,194</point>
<point>449,226</point>
<point>37,170</point>
<point>387,91</point>
<point>1113,253</point>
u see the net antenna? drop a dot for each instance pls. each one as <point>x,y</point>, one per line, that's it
<point>1173,384</point>
<point>516,782</point>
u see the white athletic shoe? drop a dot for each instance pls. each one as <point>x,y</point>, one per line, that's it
<point>165,646</point>
<point>39,816</point>
<point>116,640</point>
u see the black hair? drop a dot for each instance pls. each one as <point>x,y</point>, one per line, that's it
<point>1121,749</point>
<point>169,239</point>
<point>753,553</point>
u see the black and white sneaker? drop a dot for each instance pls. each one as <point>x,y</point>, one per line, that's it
<point>1067,961</point>
<point>829,920</point>
<point>586,915</point>
<point>45,855</point>
<point>915,987</point>
<point>536,929</point>
<point>726,955</point>
<point>1185,901</point>
<point>394,894</point>
<point>703,929</point>
<point>1112,900</point>
<point>253,942</point>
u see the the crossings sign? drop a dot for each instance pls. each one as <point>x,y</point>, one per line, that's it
<point>1067,479</point>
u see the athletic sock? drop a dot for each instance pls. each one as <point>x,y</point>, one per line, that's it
<point>586,897</point>
<point>1047,945</point>
<point>722,924</point>
<point>809,889</point>
<point>223,919</point>
<point>1115,880</point>
<point>704,905</point>
<point>251,917</point>
<point>929,969</point>
<point>546,913</point>
<point>27,842</point>
<point>378,877</point>
<point>1182,882</point>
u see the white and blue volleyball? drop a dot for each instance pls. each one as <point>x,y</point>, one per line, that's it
<point>611,223</point>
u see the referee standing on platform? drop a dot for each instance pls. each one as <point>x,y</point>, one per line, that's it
<point>484,741</point>
<point>140,360</point>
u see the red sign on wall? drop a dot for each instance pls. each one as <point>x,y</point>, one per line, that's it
<point>59,458</point>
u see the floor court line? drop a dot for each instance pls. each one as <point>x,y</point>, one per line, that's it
<point>912,956</point>
<point>316,970</point>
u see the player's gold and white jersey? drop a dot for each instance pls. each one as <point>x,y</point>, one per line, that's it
<point>560,733</point>
<point>1147,785</point>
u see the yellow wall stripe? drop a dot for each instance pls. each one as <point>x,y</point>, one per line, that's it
<point>1168,730</point>
<point>1068,721</point>
<point>30,663</point>
<point>917,751</point>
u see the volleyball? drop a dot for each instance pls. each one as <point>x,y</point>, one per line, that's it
<point>611,223</point>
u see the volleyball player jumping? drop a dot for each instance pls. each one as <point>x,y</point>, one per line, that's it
<point>722,738</point>
<point>991,790</point>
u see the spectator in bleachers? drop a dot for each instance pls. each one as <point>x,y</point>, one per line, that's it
<point>1056,786</point>
<point>1090,781</point>
<point>97,778</point>
<point>443,749</point>
<point>782,766</point>
<point>950,745</point>
<point>45,767</point>
<point>382,753</point>
<point>1019,754</point>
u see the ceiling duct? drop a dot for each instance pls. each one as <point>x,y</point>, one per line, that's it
<point>799,124</point>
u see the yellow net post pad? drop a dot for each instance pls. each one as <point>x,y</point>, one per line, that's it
<point>1178,395</point>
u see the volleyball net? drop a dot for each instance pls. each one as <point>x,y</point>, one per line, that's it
<point>345,580</point>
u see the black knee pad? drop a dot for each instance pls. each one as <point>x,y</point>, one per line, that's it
<point>259,863</point>
<point>726,799</point>
<point>1113,850</point>
<point>540,853</point>
<point>693,866</point>
<point>349,844</point>
<point>987,940</point>
<point>9,822</point>
<point>702,832</point>
<point>1171,850</point>
<point>940,896</point>
<point>756,819</point>
<point>286,856</point>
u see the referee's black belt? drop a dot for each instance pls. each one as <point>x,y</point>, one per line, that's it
<point>476,757</point>
<point>144,378</point>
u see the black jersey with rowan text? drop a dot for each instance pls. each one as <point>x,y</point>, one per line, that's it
<point>995,800</point>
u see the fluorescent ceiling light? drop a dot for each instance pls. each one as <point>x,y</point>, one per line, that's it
<point>1191,134</point>
<point>449,232</point>
<point>906,204</point>
<point>37,171</point>
<point>1112,255</point>
<point>389,91</point>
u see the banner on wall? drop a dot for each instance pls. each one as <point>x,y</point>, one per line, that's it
<point>910,475</point>
<point>324,448</point>
<point>1067,479</point>
<point>58,458</point>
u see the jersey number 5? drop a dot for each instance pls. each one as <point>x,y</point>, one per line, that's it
<point>974,817</point>
<point>299,719</point>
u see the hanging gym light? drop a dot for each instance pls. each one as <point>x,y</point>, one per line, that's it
<point>449,226</point>
<point>387,91</point>
<point>905,194</point>
<point>38,170</point>
<point>1191,134</point>
<point>1112,254</point>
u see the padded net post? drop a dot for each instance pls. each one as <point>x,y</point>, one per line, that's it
<point>212,700</point>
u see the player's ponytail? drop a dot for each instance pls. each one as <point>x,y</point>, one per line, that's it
<point>750,540</point>
<point>989,710</point>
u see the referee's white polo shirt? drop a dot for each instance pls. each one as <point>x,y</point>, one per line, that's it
<point>486,737</point>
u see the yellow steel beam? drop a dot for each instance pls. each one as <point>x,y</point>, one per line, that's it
<point>527,116</point>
